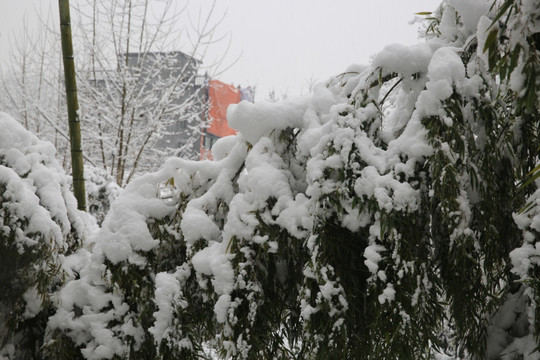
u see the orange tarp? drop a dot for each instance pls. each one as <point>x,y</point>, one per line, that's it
<point>221,95</point>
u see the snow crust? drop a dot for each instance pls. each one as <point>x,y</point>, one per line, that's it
<point>406,60</point>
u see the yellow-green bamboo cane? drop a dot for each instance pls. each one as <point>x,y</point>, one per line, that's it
<point>72,105</point>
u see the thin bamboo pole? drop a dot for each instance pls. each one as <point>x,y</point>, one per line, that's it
<point>72,105</point>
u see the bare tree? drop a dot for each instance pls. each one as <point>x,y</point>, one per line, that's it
<point>32,89</point>
<point>143,100</point>
<point>140,79</point>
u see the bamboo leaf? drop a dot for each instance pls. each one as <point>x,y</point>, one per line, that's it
<point>527,207</point>
<point>170,181</point>
<point>530,180</point>
<point>534,170</point>
<point>514,58</point>
<point>491,39</point>
<point>501,12</point>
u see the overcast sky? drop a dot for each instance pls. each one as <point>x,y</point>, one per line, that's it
<point>280,44</point>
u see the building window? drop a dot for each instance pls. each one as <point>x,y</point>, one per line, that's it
<point>209,141</point>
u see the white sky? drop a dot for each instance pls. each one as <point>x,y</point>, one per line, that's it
<point>281,44</point>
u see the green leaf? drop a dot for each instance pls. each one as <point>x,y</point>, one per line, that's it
<point>170,182</point>
<point>501,12</point>
<point>534,170</point>
<point>531,99</point>
<point>491,39</point>
<point>423,13</point>
<point>514,58</point>
<point>527,207</point>
<point>530,180</point>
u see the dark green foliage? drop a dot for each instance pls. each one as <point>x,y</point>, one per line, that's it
<point>18,274</point>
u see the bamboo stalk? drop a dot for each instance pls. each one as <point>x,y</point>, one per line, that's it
<point>72,105</point>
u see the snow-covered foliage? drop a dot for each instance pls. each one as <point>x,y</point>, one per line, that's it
<point>39,225</point>
<point>101,191</point>
<point>390,214</point>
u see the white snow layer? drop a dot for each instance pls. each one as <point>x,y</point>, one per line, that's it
<point>35,185</point>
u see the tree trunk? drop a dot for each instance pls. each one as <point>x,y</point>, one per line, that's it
<point>72,105</point>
